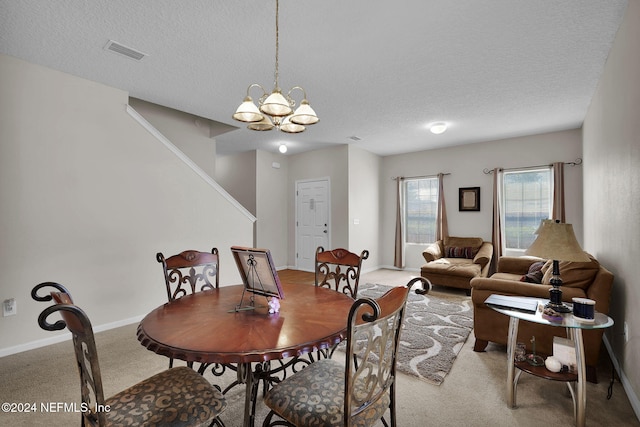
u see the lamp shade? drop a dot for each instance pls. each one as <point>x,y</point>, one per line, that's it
<point>264,124</point>
<point>304,114</point>
<point>289,127</point>
<point>557,241</point>
<point>248,112</point>
<point>276,105</point>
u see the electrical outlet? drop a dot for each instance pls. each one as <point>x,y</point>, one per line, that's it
<point>626,332</point>
<point>9,307</point>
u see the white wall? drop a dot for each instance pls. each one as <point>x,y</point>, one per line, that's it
<point>466,163</point>
<point>87,198</point>
<point>612,191</point>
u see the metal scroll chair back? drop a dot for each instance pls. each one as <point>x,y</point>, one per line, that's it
<point>339,269</point>
<point>373,339</point>
<point>84,345</point>
<point>189,272</point>
<point>358,392</point>
<point>163,399</point>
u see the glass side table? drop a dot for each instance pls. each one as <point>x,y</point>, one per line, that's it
<point>574,329</point>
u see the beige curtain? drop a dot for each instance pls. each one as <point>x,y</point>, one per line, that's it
<point>557,209</point>
<point>442,226</point>
<point>398,260</point>
<point>496,231</point>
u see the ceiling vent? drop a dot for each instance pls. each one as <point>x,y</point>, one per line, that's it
<point>355,138</point>
<point>116,47</point>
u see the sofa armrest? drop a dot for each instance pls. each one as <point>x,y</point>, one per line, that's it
<point>433,252</point>
<point>516,265</point>
<point>600,290</point>
<point>509,287</point>
<point>484,255</point>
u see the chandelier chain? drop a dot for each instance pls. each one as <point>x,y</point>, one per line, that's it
<point>277,87</point>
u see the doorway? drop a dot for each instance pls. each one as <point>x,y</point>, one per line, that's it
<point>313,224</point>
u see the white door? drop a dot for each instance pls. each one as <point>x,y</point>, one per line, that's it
<point>312,221</point>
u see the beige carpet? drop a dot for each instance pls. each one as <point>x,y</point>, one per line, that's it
<point>473,393</point>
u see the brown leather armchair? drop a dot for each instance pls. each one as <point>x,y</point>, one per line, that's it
<point>585,280</point>
<point>454,261</point>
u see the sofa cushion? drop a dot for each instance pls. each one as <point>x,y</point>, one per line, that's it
<point>506,276</point>
<point>458,267</point>
<point>535,274</point>
<point>573,274</point>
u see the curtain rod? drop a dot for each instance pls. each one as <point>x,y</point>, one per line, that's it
<point>418,177</point>
<point>577,162</point>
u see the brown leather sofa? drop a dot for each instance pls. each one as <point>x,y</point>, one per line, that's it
<point>454,261</point>
<point>586,280</point>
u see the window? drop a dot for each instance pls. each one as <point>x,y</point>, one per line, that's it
<point>526,200</point>
<point>421,210</point>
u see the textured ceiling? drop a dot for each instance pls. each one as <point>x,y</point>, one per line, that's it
<point>378,70</point>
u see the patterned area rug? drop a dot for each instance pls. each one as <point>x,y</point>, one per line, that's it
<point>435,329</point>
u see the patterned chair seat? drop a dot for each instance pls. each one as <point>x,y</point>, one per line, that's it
<point>176,397</point>
<point>315,397</point>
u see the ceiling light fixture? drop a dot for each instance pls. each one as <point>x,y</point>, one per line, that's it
<point>282,148</point>
<point>438,128</point>
<point>276,109</point>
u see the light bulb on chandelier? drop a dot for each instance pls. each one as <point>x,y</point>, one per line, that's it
<point>276,109</point>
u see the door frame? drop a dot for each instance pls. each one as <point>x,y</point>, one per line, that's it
<point>328,204</point>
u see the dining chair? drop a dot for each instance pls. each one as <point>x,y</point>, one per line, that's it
<point>184,272</point>
<point>339,269</point>
<point>357,391</point>
<point>188,272</point>
<point>174,397</point>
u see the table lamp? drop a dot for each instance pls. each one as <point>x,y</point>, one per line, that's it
<point>556,241</point>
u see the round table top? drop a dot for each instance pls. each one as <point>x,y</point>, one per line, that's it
<point>203,327</point>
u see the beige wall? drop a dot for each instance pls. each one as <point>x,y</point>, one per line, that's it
<point>272,193</point>
<point>87,198</point>
<point>466,163</point>
<point>191,134</point>
<point>364,205</point>
<point>611,135</point>
<point>333,163</point>
<point>237,174</point>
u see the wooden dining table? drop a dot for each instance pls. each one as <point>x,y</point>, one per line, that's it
<point>207,327</point>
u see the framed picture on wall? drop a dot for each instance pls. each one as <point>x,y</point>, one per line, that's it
<point>469,199</point>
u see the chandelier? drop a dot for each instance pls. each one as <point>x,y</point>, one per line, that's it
<point>276,109</point>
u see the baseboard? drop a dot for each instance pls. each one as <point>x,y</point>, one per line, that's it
<point>393,267</point>
<point>32,345</point>
<point>631,395</point>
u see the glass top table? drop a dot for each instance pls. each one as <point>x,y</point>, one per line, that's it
<point>512,306</point>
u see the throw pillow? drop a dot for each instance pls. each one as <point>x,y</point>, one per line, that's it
<point>573,274</point>
<point>534,275</point>
<point>459,252</point>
